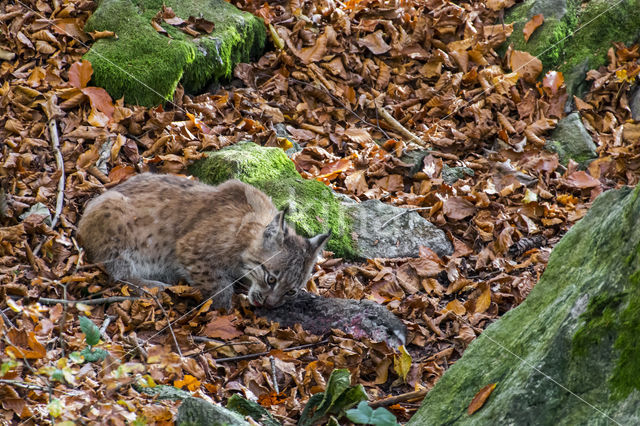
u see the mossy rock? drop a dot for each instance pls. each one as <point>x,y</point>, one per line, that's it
<point>145,66</point>
<point>357,228</point>
<point>571,141</point>
<point>198,412</point>
<point>568,354</point>
<point>575,35</point>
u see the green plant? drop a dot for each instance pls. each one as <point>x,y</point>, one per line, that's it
<point>365,415</point>
<point>91,337</point>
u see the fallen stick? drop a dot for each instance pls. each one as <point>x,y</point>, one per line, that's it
<point>419,394</point>
<point>112,299</point>
<point>55,143</point>
<point>395,124</point>
<point>259,354</point>
<point>24,385</point>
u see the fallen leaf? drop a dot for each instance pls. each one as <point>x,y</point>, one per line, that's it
<point>526,65</point>
<point>481,397</point>
<point>530,27</point>
<point>222,327</point>
<point>375,43</point>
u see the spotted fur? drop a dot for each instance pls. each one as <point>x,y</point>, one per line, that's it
<point>159,229</point>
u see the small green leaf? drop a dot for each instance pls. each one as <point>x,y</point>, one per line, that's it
<point>57,375</point>
<point>90,330</point>
<point>6,366</point>
<point>402,363</point>
<point>93,355</point>
<point>366,415</point>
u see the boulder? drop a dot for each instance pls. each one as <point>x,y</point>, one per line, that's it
<point>568,354</point>
<point>198,412</point>
<point>145,65</point>
<point>359,230</point>
<point>575,36</point>
<point>572,141</point>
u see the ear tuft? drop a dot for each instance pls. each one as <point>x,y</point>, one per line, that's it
<point>319,241</point>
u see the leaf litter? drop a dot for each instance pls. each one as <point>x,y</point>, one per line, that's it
<point>333,68</point>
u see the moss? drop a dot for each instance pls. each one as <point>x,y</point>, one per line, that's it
<point>145,66</point>
<point>625,377</point>
<point>312,205</point>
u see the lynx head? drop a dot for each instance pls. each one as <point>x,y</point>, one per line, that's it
<point>284,263</point>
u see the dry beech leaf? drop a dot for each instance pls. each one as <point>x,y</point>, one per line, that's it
<point>80,74</point>
<point>526,65</point>
<point>375,43</point>
<point>222,327</point>
<point>581,180</point>
<point>456,307</point>
<point>553,80</point>
<point>481,397</point>
<point>530,27</point>
<point>458,208</point>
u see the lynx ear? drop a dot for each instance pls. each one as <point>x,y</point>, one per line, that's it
<point>274,232</point>
<point>318,242</point>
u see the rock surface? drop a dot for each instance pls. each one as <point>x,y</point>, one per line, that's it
<point>198,412</point>
<point>360,318</point>
<point>357,228</point>
<point>575,36</point>
<point>572,141</point>
<point>568,354</point>
<point>145,66</point>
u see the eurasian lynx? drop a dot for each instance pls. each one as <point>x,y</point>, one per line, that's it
<point>157,229</point>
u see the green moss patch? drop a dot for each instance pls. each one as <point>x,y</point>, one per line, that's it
<point>577,331</point>
<point>145,66</point>
<point>313,209</point>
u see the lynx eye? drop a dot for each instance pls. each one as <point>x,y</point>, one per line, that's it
<point>291,293</point>
<point>271,280</point>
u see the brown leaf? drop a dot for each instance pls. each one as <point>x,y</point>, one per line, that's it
<point>100,100</point>
<point>80,74</point>
<point>356,183</point>
<point>314,53</point>
<point>481,397</point>
<point>581,180</point>
<point>456,307</point>
<point>553,80</point>
<point>531,26</point>
<point>526,65</point>
<point>375,43</point>
<point>222,327</point>
<point>457,208</point>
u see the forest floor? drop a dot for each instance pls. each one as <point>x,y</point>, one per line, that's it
<point>432,65</point>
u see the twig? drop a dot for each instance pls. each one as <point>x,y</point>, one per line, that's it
<point>55,144</point>
<point>395,124</point>
<point>24,385</point>
<point>404,212</point>
<point>273,374</point>
<point>166,314</point>
<point>6,319</point>
<point>103,300</point>
<point>385,402</point>
<point>63,318</point>
<point>259,354</point>
<point>104,326</point>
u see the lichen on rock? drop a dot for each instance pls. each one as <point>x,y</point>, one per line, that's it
<point>145,66</point>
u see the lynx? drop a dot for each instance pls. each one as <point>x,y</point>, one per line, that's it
<point>155,230</point>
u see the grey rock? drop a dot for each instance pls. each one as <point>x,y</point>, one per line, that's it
<point>383,230</point>
<point>414,158</point>
<point>198,412</point>
<point>572,141</point>
<point>634,103</point>
<point>568,354</point>
<point>164,392</point>
<point>360,318</point>
<point>451,175</point>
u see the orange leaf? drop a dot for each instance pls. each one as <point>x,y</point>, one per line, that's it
<point>191,382</point>
<point>480,398</point>
<point>100,100</point>
<point>120,173</point>
<point>484,300</point>
<point>531,26</point>
<point>458,208</point>
<point>553,80</point>
<point>456,307</point>
<point>80,74</point>
<point>333,169</point>
<point>222,327</point>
